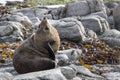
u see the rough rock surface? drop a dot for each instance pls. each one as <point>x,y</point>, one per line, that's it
<point>111,37</point>
<point>68,56</point>
<point>95,23</point>
<point>11,31</point>
<point>116,16</point>
<point>18,17</point>
<point>70,28</point>
<point>80,8</point>
<point>85,7</point>
<point>6,76</point>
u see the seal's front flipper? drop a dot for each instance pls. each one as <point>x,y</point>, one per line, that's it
<point>50,50</point>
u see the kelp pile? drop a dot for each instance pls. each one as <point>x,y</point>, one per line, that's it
<point>96,52</point>
<point>7,51</point>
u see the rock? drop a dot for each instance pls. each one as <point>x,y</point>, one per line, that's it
<point>68,72</point>
<point>30,12</point>
<point>111,5</point>
<point>10,38</point>
<point>36,12</point>
<point>41,13</point>
<point>19,17</point>
<point>85,7</point>
<point>101,14</point>
<point>62,59</point>
<point>95,23</point>
<point>91,33</point>
<point>112,75</point>
<point>116,16</point>
<point>80,8</point>
<point>77,78</point>
<point>58,13</point>
<point>67,57</point>
<point>6,76</point>
<point>112,42</point>
<point>72,54</point>
<point>8,67</point>
<point>111,22</point>
<point>70,28</point>
<point>53,74</point>
<point>11,28</point>
<point>111,37</point>
<point>96,5</point>
<point>11,31</point>
<point>84,71</point>
<point>113,33</point>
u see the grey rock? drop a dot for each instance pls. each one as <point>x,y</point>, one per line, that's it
<point>112,42</point>
<point>91,33</point>
<point>72,54</point>
<point>80,8</point>
<point>67,57</point>
<point>11,28</point>
<point>85,7</point>
<point>95,23</point>
<point>70,28</point>
<point>58,13</point>
<point>53,74</point>
<point>8,67</point>
<point>10,38</point>
<point>96,5</point>
<point>111,37</point>
<point>19,17</point>
<point>113,33</point>
<point>111,5</point>
<point>101,14</point>
<point>41,13</point>
<point>116,16</point>
<point>84,71</point>
<point>62,59</point>
<point>77,78</point>
<point>68,72</point>
<point>6,76</point>
<point>30,12</point>
<point>111,22</point>
<point>112,75</point>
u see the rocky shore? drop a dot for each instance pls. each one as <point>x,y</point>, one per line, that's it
<point>89,32</point>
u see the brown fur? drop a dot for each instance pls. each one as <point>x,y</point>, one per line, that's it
<point>32,55</point>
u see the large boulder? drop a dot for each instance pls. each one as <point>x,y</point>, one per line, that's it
<point>116,16</point>
<point>86,7</point>
<point>80,8</point>
<point>58,13</point>
<point>112,75</point>
<point>13,30</point>
<point>18,17</point>
<point>54,74</point>
<point>111,5</point>
<point>70,28</point>
<point>35,12</point>
<point>96,5</point>
<point>111,37</point>
<point>63,73</point>
<point>6,76</point>
<point>68,56</point>
<point>95,23</point>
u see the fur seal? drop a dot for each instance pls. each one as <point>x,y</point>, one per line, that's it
<point>38,51</point>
